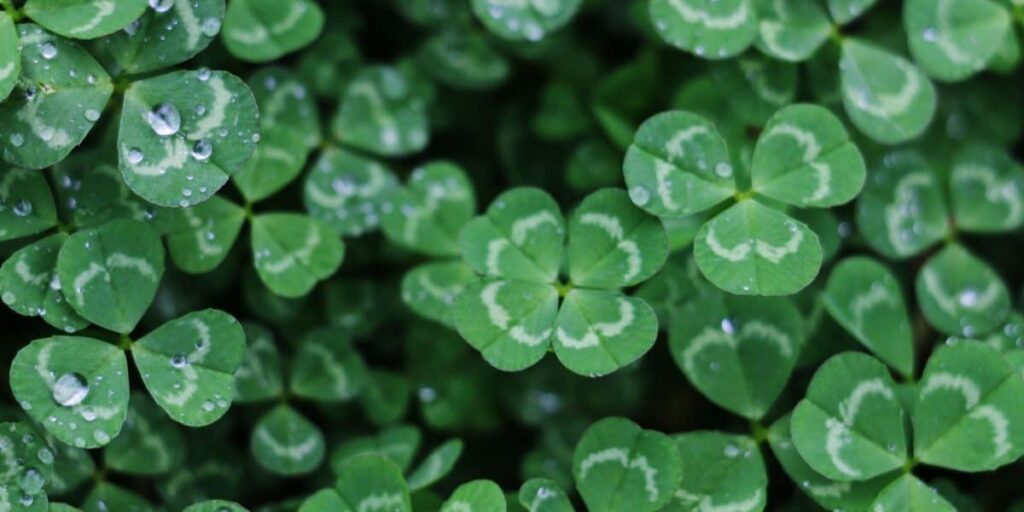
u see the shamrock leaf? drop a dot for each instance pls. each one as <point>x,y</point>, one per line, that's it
<point>188,365</point>
<point>969,414</point>
<point>347,191</point>
<point>865,298</point>
<point>264,30</point>
<point>724,472</point>
<point>902,210</point>
<point>149,443</point>
<point>52,109</point>
<point>372,482</point>
<point>168,33</point>
<point>619,466</point>
<point>436,465</point>
<point>258,378</point>
<point>10,56</point>
<point>31,286</point>
<point>293,252</point>
<point>28,463</point>
<point>286,103</point>
<point>738,351</point>
<point>758,86</point>
<point>886,96</point>
<point>463,59</point>
<point>707,28</point>
<point>678,165</point>
<point>543,495</point>
<point>84,19</point>
<point>76,388</point>
<point>845,11</point>
<point>598,331</point>
<point>476,496</point>
<point>804,157</point>
<point>908,493</point>
<point>754,249</point>
<point>427,214</point>
<point>960,294</point>
<point>326,368</point>
<point>109,275</point>
<point>106,494</point>
<point>986,189</point>
<point>26,204</point>
<point>287,443</point>
<point>529,21</point>
<point>849,427</point>
<point>431,289</point>
<point>184,133</point>
<point>790,31</point>
<point>397,443</point>
<point>383,113</point>
<point>208,231</point>
<point>953,39</point>
<point>216,506</point>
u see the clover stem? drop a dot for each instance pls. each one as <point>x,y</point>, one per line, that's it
<point>758,432</point>
<point>908,466</point>
<point>125,343</point>
<point>13,12</point>
<point>563,289</point>
<point>742,196</point>
<point>836,36</point>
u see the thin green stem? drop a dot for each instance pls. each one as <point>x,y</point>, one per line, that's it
<point>13,12</point>
<point>125,343</point>
<point>758,432</point>
<point>836,36</point>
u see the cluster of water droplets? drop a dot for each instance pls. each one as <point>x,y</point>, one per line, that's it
<point>31,481</point>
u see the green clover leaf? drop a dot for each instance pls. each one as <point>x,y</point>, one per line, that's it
<point>544,495</point>
<point>292,252</point>
<point>287,443</point>
<point>31,286</point>
<point>149,443</point>
<point>326,368</point>
<point>598,331</point>
<point>525,21</point>
<point>205,236</point>
<point>463,59</point>
<point>707,28</point>
<point>986,189</point>
<point>26,204</point>
<point>372,482</point>
<point>382,112</point>
<point>398,443</point>
<point>960,294</point>
<point>428,213</point>
<point>258,378</point>
<point>790,31</point>
<point>10,56</point>
<point>436,465</point>
<point>431,289</point>
<point>908,493</point>
<point>723,472</point>
<point>84,19</point>
<point>845,11</point>
<point>28,463</point>
<point>264,30</point>
<point>476,496</point>
<point>347,191</point>
<point>953,39</point>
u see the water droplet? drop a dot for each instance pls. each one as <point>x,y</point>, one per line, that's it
<point>31,481</point>
<point>70,389</point>
<point>88,415</point>
<point>92,115</point>
<point>723,169</point>
<point>203,74</point>
<point>968,298</point>
<point>427,394</point>
<point>47,50</point>
<point>45,455</point>
<point>132,28</point>
<point>207,405</point>
<point>930,34</point>
<point>178,361</point>
<point>731,451</point>
<point>728,326</point>
<point>17,140</point>
<point>22,208</point>
<point>27,500</point>
<point>101,437</point>
<point>639,194</point>
<point>134,156</point>
<point>202,150</point>
<point>164,119</point>
<point>161,5</point>
<point>210,26</point>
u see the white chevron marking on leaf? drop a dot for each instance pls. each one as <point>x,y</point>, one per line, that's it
<point>522,227</point>
<point>597,330</point>
<point>962,384</point>
<point>1000,427</point>
<point>613,227</point>
<point>709,21</point>
<point>621,455</point>
<point>104,8</point>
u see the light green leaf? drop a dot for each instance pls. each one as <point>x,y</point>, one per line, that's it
<point>347,191</point>
<point>543,495</point>
<point>382,112</point>
<point>428,213</point>
<point>845,11</point>
<point>436,465</point>
<point>264,30</point>
<point>31,286</point>
<point>865,298</point>
<point>93,193</point>
<point>10,55</point>
<point>511,323</point>
<point>790,30</point>
<point>76,388</point>
<point>324,500</point>
<point>986,188</point>
<point>908,494</point>
<point>723,472</point>
<point>398,443</point>
<point>326,368</point>
<point>169,34</point>
<point>849,427</point>
<point>619,466</point>
<point>886,96</point>
<point>960,294</point>
<point>216,506</point>
<point>207,234</point>
<point>737,351</point>
<point>286,443</point>
<point>51,110</point>
<point>525,20</point>
<point>970,409</point>
<point>902,210</point>
<point>678,165</point>
<point>599,331</point>
<point>286,103</point>
<point>26,204</point>
<point>372,482</point>
<point>954,39</point>
<point>431,289</point>
<point>711,29</point>
<point>751,249</point>
<point>805,157</point>
<point>613,244</point>
<point>27,461</point>
<point>277,161</point>
<point>84,19</point>
<point>259,377</point>
<point>184,133</point>
<point>107,496</point>
<point>757,85</point>
<point>149,443</point>
<point>519,237</point>
<point>463,59</point>
<point>476,496</point>
<point>109,274</point>
<point>293,252</point>
<point>188,365</point>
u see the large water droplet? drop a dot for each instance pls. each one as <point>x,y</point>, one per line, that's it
<point>202,150</point>
<point>22,208</point>
<point>17,140</point>
<point>203,74</point>
<point>210,26</point>
<point>639,194</point>
<point>92,115</point>
<point>723,169</point>
<point>164,119</point>
<point>70,389</point>
<point>47,50</point>
<point>178,361</point>
<point>161,5</point>
<point>31,481</point>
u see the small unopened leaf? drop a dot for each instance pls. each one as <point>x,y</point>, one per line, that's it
<point>372,482</point>
<point>886,96</point>
<point>84,19</point>
<point>258,378</point>
<point>263,30</point>
<point>29,284</point>
<point>866,299</point>
<point>805,157</point>
<point>188,365</point>
<point>529,21</point>
<point>678,165</point>
<point>347,191</point>
<point>752,249</point>
<point>169,34</point>
<point>109,275</point>
<point>850,425</point>
<point>76,388</point>
<point>543,495</point>
<point>707,28</point>
<point>986,188</point>
<point>184,133</point>
<point>293,252</point>
<point>431,289</point>
<point>436,465</point>
<point>287,443</point>
<point>149,443</point>
<point>909,494</point>
<point>205,236</point>
<point>428,213</point>
<point>326,368</point>
<point>790,31</point>
<point>10,56</point>
<point>960,294</point>
<point>27,460</point>
<point>970,409</point>
<point>598,331</point>
<point>382,112</point>
<point>26,203</point>
<point>953,39</point>
<point>619,466</point>
<point>476,496</point>
<point>722,472</point>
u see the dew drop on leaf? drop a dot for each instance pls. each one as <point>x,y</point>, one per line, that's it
<point>178,361</point>
<point>22,208</point>
<point>164,119</point>
<point>201,150</point>
<point>134,156</point>
<point>70,389</point>
<point>47,50</point>
<point>31,481</point>
<point>161,5</point>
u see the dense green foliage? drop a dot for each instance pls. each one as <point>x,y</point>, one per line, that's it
<point>511,255</point>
